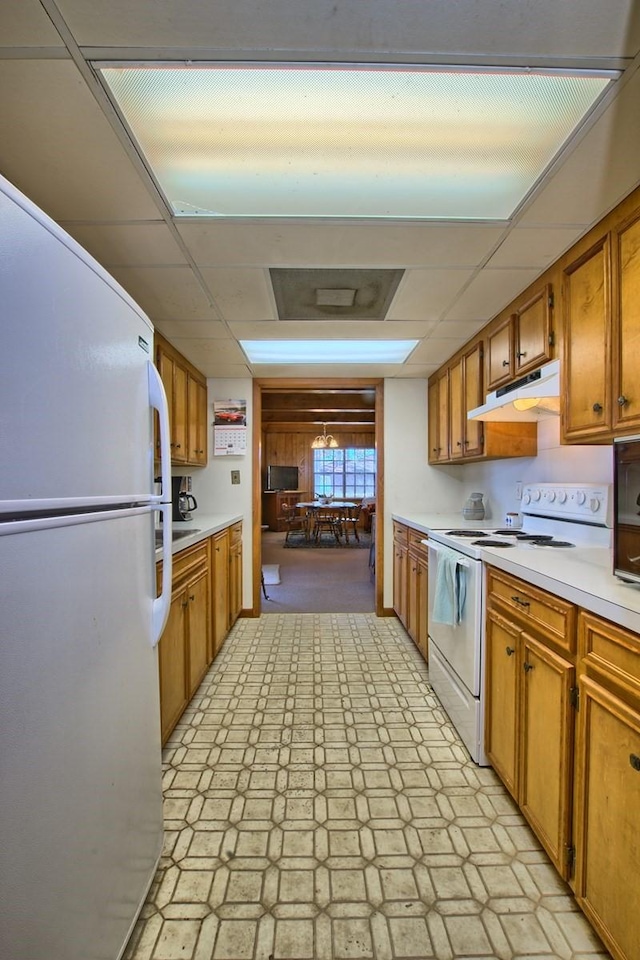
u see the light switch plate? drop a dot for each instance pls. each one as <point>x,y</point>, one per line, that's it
<point>235,476</point>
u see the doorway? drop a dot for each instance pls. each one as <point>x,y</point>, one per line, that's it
<point>304,405</point>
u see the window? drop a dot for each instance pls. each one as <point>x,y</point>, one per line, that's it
<point>349,473</point>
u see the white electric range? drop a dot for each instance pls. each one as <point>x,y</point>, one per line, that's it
<point>555,517</point>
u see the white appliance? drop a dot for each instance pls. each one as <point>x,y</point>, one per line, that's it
<point>530,398</point>
<point>80,761</point>
<point>555,517</point>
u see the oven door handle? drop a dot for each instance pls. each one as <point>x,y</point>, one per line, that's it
<point>462,561</point>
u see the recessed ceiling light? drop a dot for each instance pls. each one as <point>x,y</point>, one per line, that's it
<point>353,141</point>
<point>327,351</point>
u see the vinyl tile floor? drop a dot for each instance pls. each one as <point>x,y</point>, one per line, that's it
<point>320,806</point>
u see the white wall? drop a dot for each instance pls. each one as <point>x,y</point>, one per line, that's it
<point>212,486</point>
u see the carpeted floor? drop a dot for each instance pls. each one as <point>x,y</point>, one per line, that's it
<point>328,580</point>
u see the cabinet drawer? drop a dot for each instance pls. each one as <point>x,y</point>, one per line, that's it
<point>235,533</point>
<point>417,547</point>
<point>612,649</point>
<point>400,532</point>
<point>551,617</point>
<point>189,562</point>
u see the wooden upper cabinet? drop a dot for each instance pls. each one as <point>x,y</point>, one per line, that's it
<point>438,400</point>
<point>179,442</point>
<point>197,426</point>
<point>587,345</point>
<point>500,354</point>
<point>473,397</point>
<point>626,347</point>
<point>533,333</point>
<point>186,391</point>
<point>456,411</point>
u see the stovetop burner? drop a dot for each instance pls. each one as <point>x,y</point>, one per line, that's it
<point>534,537</point>
<point>553,543</point>
<point>466,533</point>
<point>492,543</point>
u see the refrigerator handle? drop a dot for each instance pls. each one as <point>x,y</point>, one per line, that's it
<point>158,401</point>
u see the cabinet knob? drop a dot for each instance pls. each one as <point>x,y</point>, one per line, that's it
<point>192,596</point>
<point>634,760</point>
<point>622,400</point>
<point>458,443</point>
<point>527,667</point>
<point>521,603</point>
<point>184,604</point>
<point>510,651</point>
<point>505,363</point>
<point>597,408</point>
<point>523,354</point>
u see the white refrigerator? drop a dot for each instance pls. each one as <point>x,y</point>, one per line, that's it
<point>80,759</point>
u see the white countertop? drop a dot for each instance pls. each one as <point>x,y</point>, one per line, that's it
<point>583,575</point>
<point>203,525</point>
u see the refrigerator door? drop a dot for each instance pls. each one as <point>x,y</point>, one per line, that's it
<point>80,764</point>
<point>74,395</point>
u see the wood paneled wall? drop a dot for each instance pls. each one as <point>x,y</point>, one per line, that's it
<point>294,449</point>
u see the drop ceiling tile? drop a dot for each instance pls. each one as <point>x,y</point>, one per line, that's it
<point>531,247</point>
<point>425,294</point>
<point>58,148</point>
<point>201,352</point>
<point>240,294</point>
<point>567,29</point>
<point>489,293</point>
<point>330,330</point>
<point>339,244</point>
<point>602,169</point>
<point>26,24</point>
<point>461,330</point>
<point>435,350</point>
<point>166,293</point>
<point>192,329</point>
<point>224,371</point>
<point>129,244</point>
<point>417,371</point>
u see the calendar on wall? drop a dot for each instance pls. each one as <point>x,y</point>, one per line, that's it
<point>229,427</point>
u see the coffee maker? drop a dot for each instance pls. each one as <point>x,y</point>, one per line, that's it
<point>183,501</point>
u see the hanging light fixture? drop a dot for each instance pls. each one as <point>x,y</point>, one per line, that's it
<point>324,440</point>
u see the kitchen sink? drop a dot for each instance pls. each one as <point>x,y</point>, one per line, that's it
<point>175,535</point>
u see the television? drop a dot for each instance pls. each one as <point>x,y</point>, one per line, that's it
<point>282,478</point>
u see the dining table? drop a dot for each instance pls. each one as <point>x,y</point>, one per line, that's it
<point>315,507</point>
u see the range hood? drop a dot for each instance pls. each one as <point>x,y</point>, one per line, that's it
<point>531,398</point>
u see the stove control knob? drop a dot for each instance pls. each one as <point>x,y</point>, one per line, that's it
<point>562,496</point>
<point>535,495</point>
<point>594,504</point>
<point>526,497</point>
<point>581,497</point>
<point>551,496</point>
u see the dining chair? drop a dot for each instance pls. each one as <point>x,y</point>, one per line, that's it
<point>328,521</point>
<point>294,522</point>
<point>349,521</point>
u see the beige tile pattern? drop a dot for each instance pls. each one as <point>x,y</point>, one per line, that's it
<point>319,806</point>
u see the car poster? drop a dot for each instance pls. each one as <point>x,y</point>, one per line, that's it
<point>229,427</point>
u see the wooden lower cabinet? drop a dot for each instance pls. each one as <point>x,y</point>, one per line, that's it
<point>185,643</point>
<point>418,591</point>
<point>529,712</point>
<point>206,593</point>
<point>607,835</point>
<point>400,565</point>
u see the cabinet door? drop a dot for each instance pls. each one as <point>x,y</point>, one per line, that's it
<point>626,361</point>
<point>587,345</point>
<point>546,748</point>
<point>500,365</point>
<point>473,397</point>
<point>197,426</point>
<point>501,703</point>
<point>533,332</point>
<point>179,438</point>
<point>422,604</point>
<point>173,666</point>
<point>456,398</point>
<point>608,801</point>
<point>400,597</point>
<point>235,582</point>
<point>220,587</point>
<point>165,369</point>
<point>438,398</point>
<point>198,594</point>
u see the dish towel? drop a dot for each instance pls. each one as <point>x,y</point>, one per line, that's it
<point>451,588</point>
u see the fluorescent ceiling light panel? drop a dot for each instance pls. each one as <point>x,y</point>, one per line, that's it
<point>327,351</point>
<point>296,140</point>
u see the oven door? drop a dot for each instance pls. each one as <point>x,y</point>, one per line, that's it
<point>459,645</point>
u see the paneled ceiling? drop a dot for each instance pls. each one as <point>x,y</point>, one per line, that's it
<point>207,284</point>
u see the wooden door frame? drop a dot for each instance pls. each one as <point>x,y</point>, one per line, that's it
<point>328,384</point>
